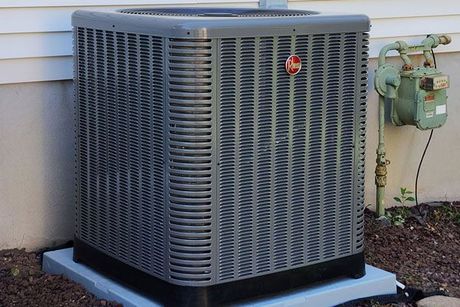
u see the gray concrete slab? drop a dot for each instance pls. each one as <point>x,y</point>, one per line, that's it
<point>330,293</point>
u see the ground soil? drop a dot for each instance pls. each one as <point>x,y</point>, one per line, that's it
<point>422,256</point>
<point>22,283</point>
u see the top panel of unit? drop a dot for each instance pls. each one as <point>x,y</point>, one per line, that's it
<point>219,22</point>
<point>215,12</point>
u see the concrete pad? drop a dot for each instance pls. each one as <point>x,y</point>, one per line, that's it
<point>330,293</point>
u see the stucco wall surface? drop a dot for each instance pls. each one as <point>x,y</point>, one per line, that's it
<point>36,164</point>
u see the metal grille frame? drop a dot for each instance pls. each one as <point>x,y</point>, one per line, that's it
<point>200,161</point>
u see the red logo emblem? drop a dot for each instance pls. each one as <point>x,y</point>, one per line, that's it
<point>293,65</point>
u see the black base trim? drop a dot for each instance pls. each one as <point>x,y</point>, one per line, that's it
<point>175,295</point>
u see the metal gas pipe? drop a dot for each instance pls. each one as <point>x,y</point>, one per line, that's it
<point>387,82</point>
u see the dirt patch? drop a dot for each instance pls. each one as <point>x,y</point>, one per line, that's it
<point>422,256</point>
<point>22,283</point>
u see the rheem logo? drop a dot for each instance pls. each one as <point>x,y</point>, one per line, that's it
<point>293,65</point>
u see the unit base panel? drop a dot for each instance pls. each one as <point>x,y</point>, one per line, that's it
<point>226,293</point>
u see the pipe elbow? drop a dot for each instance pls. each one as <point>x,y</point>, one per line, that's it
<point>383,52</point>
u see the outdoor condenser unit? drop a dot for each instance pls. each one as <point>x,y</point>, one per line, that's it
<point>220,152</point>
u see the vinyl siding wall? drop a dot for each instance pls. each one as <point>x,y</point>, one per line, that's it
<point>36,40</point>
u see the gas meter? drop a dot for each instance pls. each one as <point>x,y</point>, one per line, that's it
<point>418,94</point>
<point>421,99</point>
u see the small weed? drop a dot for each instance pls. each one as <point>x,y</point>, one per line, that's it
<point>450,212</point>
<point>404,197</point>
<point>15,271</point>
<point>400,214</point>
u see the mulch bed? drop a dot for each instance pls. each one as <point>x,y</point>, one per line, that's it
<point>422,256</point>
<point>22,283</point>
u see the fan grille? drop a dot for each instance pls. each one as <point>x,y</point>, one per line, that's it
<point>216,12</point>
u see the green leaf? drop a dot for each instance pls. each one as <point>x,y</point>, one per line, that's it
<point>403,191</point>
<point>14,271</point>
<point>410,198</point>
<point>409,192</point>
<point>397,199</point>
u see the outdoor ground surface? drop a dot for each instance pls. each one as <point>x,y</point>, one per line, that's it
<point>22,283</point>
<point>422,256</point>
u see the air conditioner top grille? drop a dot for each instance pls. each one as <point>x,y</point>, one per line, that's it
<point>209,23</point>
<point>216,12</point>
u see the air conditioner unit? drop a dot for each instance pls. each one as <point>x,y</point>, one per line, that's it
<point>220,152</point>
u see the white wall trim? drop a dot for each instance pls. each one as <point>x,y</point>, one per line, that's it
<point>36,69</point>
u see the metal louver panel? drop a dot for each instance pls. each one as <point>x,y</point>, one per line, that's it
<point>287,180</point>
<point>120,142</point>
<point>200,161</point>
<point>190,102</point>
<point>362,78</point>
<point>228,151</point>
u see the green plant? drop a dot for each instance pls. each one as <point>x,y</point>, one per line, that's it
<point>451,212</point>
<point>15,271</point>
<point>400,214</point>
<point>404,197</point>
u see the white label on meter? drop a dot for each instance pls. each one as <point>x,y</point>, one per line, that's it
<point>440,82</point>
<point>441,109</point>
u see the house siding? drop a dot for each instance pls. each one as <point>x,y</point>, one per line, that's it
<point>35,36</point>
